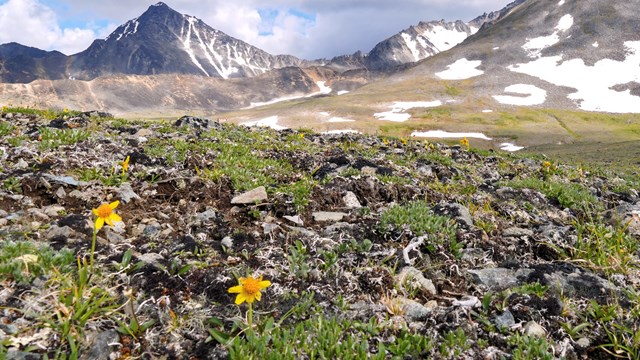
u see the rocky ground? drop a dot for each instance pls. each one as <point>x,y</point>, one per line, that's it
<point>375,247</point>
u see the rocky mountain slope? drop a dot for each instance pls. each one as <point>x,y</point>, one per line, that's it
<point>373,247</point>
<point>160,41</point>
<point>561,54</point>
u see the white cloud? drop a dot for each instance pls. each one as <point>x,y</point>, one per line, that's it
<point>31,23</point>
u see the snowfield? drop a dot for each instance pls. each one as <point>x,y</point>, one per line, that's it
<point>534,95</point>
<point>461,69</point>
<point>397,112</point>
<point>594,84</point>
<point>440,134</point>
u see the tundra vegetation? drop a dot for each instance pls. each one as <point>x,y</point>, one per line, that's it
<point>200,239</point>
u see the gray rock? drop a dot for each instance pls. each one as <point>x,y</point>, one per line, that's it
<point>467,301</point>
<point>411,277</point>
<point>37,214</point>
<point>151,258</point>
<point>337,228</point>
<point>325,216</point>
<point>532,328</point>
<point>63,180</point>
<point>60,193</point>
<point>456,211</point>
<point>126,193</point>
<point>517,232</point>
<point>100,348</point>
<point>206,215</point>
<point>351,201</point>
<point>256,195</point>
<point>152,229</point>
<point>500,278</point>
<point>573,281</point>
<point>413,310</point>
<point>627,214</point>
<point>227,242</point>
<point>53,210</point>
<point>296,220</point>
<point>302,231</point>
<point>57,233</point>
<point>504,320</point>
<point>584,342</point>
<point>21,164</point>
<point>269,228</point>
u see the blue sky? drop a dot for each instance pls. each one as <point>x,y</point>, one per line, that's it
<point>308,29</point>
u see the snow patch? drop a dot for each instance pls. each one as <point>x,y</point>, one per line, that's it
<point>535,46</point>
<point>398,109</point>
<point>443,38</point>
<point>461,69</point>
<point>487,111</point>
<point>595,44</point>
<point>441,134</point>
<point>510,147</point>
<point>561,2</point>
<point>342,92</point>
<point>412,45</point>
<point>595,83</point>
<point>324,113</point>
<point>535,95</point>
<point>271,122</point>
<point>496,48</point>
<point>323,89</point>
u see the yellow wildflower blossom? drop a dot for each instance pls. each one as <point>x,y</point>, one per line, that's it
<point>105,214</point>
<point>464,142</point>
<point>249,289</point>
<point>125,164</point>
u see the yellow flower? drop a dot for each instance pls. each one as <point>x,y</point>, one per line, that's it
<point>464,142</point>
<point>249,289</point>
<point>301,136</point>
<point>403,141</point>
<point>125,165</point>
<point>546,164</point>
<point>105,214</point>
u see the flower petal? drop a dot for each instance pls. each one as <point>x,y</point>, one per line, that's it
<point>241,298</point>
<point>95,212</point>
<point>115,217</point>
<point>99,223</point>
<point>114,204</point>
<point>258,295</point>
<point>236,289</point>
<point>264,284</point>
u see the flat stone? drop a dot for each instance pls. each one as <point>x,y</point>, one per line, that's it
<point>256,195</point>
<point>410,276</point>
<point>126,193</point>
<point>517,232</point>
<point>500,278</point>
<point>63,180</point>
<point>456,211</point>
<point>37,214</point>
<point>21,164</point>
<point>101,346</point>
<point>296,220</point>
<point>351,201</point>
<point>57,233</point>
<point>504,320</point>
<point>53,210</point>
<point>413,310</point>
<point>324,216</point>
<point>206,215</point>
<point>60,193</point>
<point>532,328</point>
<point>151,258</point>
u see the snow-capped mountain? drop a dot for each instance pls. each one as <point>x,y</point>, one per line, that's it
<point>418,42</point>
<point>163,41</point>
<point>581,54</point>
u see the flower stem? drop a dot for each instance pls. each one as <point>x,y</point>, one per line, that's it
<point>93,247</point>
<point>250,316</point>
